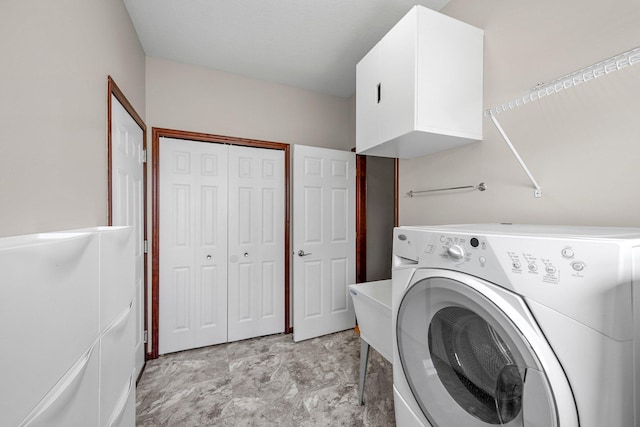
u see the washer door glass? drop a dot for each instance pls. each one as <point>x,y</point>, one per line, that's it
<point>475,365</point>
<point>456,348</point>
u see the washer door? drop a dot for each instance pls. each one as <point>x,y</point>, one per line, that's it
<point>470,352</point>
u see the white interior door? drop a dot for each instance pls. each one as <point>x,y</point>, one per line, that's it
<point>193,244</point>
<point>127,196</point>
<point>323,241</point>
<point>256,242</point>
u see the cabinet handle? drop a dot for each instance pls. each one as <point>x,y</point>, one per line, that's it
<point>379,92</point>
<point>120,321</point>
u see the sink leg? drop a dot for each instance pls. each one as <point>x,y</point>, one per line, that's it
<point>364,357</point>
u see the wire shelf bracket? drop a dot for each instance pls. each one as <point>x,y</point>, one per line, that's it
<point>602,68</point>
<point>537,191</point>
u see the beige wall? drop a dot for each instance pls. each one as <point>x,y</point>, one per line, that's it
<point>582,145</point>
<point>198,99</point>
<point>56,57</point>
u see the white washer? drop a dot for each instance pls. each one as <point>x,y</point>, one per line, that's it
<point>516,325</point>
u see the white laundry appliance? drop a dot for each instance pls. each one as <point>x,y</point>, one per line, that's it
<point>516,325</point>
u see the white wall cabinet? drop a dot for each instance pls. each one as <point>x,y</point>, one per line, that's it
<point>67,328</point>
<point>419,90</point>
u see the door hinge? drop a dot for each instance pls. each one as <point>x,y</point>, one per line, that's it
<point>146,246</point>
<point>144,156</point>
<point>146,336</point>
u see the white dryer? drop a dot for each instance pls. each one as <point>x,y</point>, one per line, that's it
<point>516,325</point>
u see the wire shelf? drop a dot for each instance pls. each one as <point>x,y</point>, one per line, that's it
<point>602,68</point>
<point>584,75</point>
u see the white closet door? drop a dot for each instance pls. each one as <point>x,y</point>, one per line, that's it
<point>256,242</point>
<point>323,241</point>
<point>127,189</point>
<point>193,244</point>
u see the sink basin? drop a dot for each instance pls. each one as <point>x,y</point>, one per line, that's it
<point>372,303</point>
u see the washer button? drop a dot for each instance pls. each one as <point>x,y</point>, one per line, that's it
<point>568,253</point>
<point>516,265</point>
<point>533,267</point>
<point>578,265</point>
<point>550,269</point>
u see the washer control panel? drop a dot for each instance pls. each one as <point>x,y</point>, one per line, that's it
<point>498,257</point>
<point>543,261</point>
<point>587,279</point>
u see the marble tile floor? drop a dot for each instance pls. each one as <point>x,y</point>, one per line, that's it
<point>267,381</point>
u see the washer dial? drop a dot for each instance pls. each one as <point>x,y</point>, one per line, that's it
<point>456,252</point>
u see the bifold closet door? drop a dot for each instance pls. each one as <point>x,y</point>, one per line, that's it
<point>193,244</point>
<point>256,242</point>
<point>221,243</point>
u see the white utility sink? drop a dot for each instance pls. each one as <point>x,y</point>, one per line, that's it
<point>372,303</point>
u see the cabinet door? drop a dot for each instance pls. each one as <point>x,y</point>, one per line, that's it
<point>367,81</point>
<point>48,315</point>
<point>449,88</point>
<point>74,400</point>
<point>398,77</point>
<point>116,365</point>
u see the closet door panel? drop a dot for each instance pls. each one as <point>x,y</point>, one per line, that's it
<point>256,242</point>
<point>193,255</point>
<point>211,246</point>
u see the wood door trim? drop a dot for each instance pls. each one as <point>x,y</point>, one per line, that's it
<point>361,218</point>
<point>156,134</point>
<point>114,90</point>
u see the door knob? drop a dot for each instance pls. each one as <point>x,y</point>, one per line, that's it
<point>246,254</point>
<point>208,256</point>
<point>302,253</point>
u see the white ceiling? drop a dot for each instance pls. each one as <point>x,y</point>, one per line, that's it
<point>310,44</point>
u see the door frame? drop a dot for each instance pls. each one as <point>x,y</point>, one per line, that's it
<point>156,134</point>
<point>115,91</point>
<point>361,212</point>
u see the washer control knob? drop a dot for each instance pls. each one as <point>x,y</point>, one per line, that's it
<point>456,252</point>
